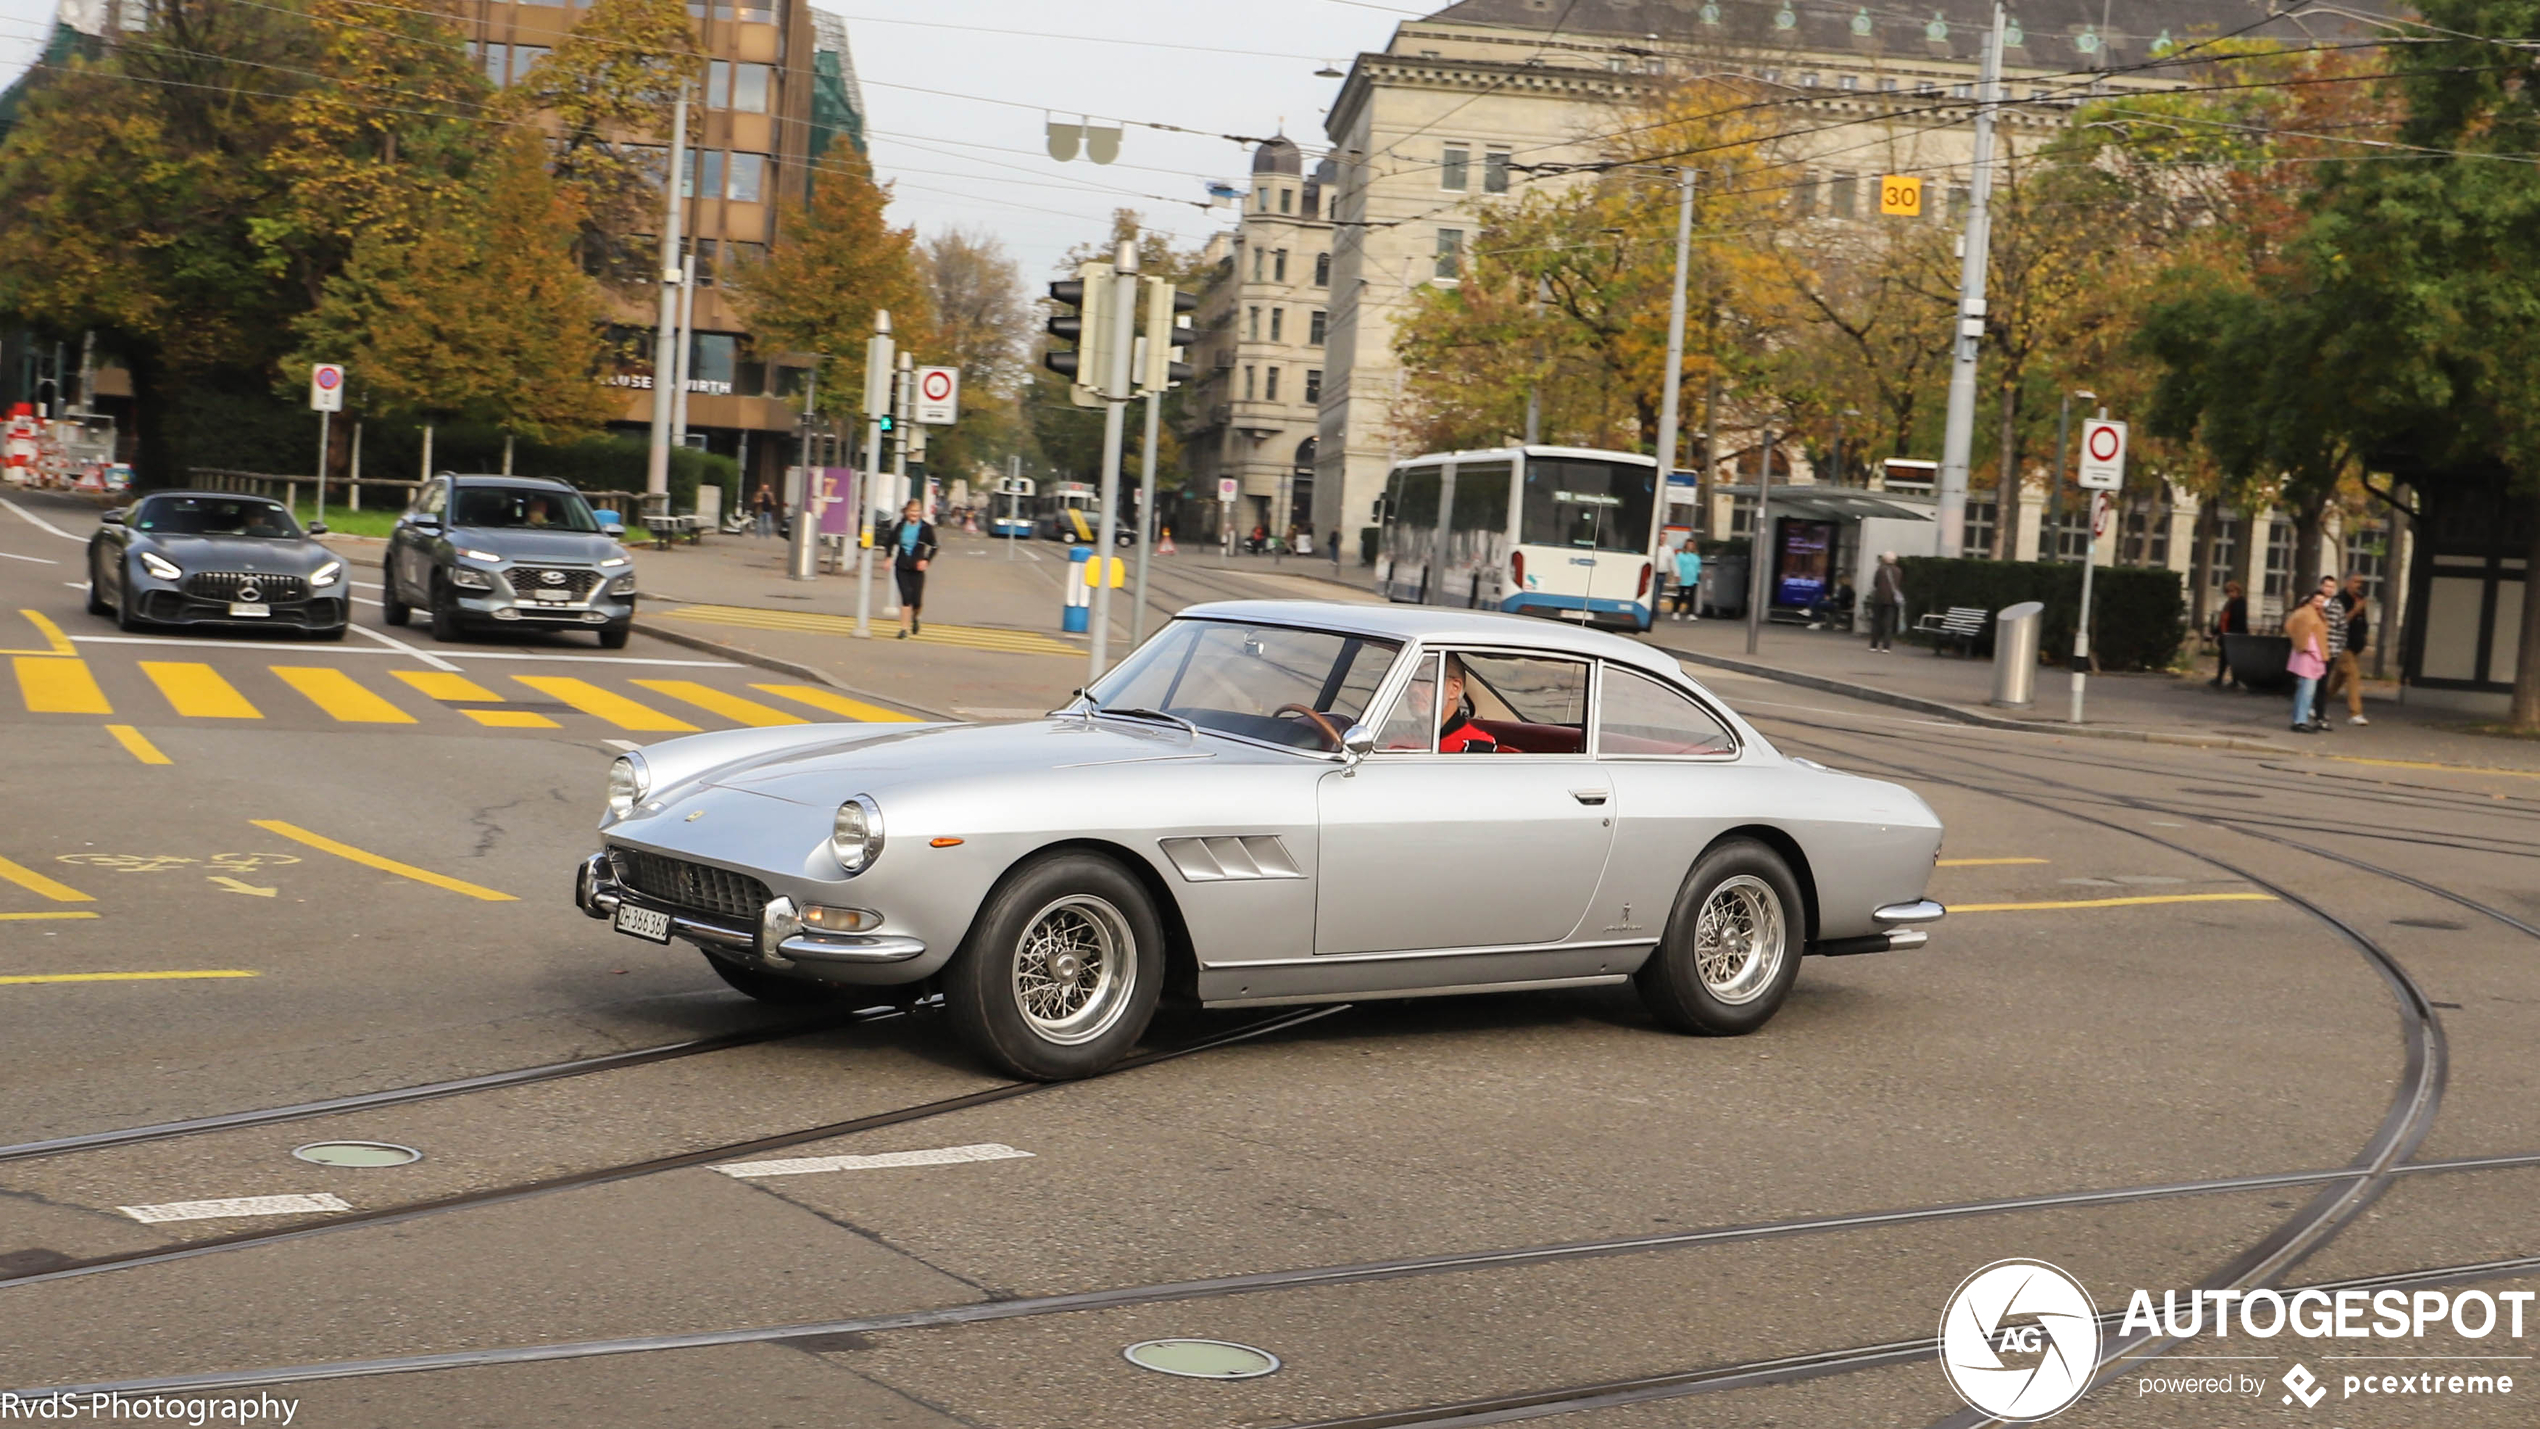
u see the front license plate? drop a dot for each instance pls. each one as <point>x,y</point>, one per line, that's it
<point>241,607</point>
<point>551,597</point>
<point>643,922</point>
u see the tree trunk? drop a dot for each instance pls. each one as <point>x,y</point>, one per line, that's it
<point>2526,707</point>
<point>155,459</point>
<point>2007,483</point>
<point>2308,515</point>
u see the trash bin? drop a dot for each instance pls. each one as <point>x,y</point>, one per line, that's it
<point>1722,588</point>
<point>2015,634</point>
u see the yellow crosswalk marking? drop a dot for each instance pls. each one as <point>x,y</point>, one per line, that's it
<point>511,719</point>
<point>36,883</point>
<point>54,684</point>
<point>367,859</point>
<point>706,697</point>
<point>447,685</point>
<point>138,743</point>
<point>55,642</point>
<point>601,704</point>
<point>1957,908</point>
<point>40,917</point>
<point>198,690</point>
<point>974,637</point>
<point>819,698</point>
<point>340,695</point>
<point>18,979</point>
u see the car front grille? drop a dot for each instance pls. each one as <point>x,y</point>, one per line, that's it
<point>229,585</point>
<point>698,886</point>
<point>575,583</point>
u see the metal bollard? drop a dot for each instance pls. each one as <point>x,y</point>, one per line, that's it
<point>2015,634</point>
<point>1077,618</point>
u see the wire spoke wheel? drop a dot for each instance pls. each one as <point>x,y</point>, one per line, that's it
<point>1075,969</point>
<point>1739,940</point>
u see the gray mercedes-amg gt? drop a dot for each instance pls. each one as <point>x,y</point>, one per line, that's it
<point>215,558</point>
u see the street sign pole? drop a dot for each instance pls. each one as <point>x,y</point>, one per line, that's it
<point>324,416</point>
<point>1146,522</point>
<point>2102,471</point>
<point>1958,432</point>
<point>899,472</point>
<point>1115,391</point>
<point>326,398</point>
<point>878,352</point>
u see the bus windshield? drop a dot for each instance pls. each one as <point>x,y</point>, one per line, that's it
<point>1587,505</point>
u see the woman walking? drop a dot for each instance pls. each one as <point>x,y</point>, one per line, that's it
<point>763,511</point>
<point>912,544</point>
<point>2308,630</point>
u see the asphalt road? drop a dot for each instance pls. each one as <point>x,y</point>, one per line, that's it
<point>2169,971</point>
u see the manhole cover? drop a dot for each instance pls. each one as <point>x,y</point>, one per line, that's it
<point>1202,1359</point>
<point>357,1153</point>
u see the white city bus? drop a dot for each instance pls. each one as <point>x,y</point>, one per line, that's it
<point>1559,531</point>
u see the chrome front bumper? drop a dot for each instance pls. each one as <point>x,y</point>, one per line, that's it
<point>597,893</point>
<point>1895,940</point>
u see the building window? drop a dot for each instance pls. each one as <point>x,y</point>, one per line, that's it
<point>1270,385</point>
<point>1455,171</point>
<point>1316,327</point>
<point>1771,76</point>
<point>1450,253</point>
<point>523,56</point>
<point>1842,193</point>
<point>1959,198</point>
<point>1808,79</point>
<point>1848,83</point>
<point>705,174</point>
<point>1261,199</point>
<point>1981,516</point>
<point>1962,91</point>
<point>1250,376</point>
<point>1278,324</point>
<point>2070,531</point>
<point>2279,557</point>
<point>498,60</point>
<point>1495,171</point>
<point>2222,554</point>
<point>1887,86</point>
<point>1252,324</point>
<point>1278,271</point>
<point>1259,255</point>
<point>704,249</point>
<point>1313,385</point>
<point>1287,200</point>
<point>748,177</point>
<point>2147,538</point>
<point>1322,270</point>
<point>2367,551</point>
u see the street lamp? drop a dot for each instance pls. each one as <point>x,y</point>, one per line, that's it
<point>1839,478</point>
<point>2055,497</point>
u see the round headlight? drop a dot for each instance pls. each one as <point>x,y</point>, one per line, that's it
<point>629,780</point>
<point>856,836</point>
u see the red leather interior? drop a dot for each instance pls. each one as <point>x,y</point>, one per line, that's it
<point>1518,737</point>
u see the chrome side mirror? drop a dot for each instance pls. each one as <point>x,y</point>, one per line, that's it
<point>614,530</point>
<point>1356,742</point>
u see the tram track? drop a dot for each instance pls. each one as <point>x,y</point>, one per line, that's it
<point>628,1170</point>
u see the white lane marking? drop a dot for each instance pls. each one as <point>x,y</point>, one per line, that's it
<point>808,1165</point>
<point>402,648</point>
<point>589,659</point>
<point>235,1206</point>
<point>179,641</point>
<point>173,641</point>
<point>37,560</point>
<point>622,743</point>
<point>39,521</point>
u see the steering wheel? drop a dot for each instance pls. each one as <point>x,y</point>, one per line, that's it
<point>1321,724</point>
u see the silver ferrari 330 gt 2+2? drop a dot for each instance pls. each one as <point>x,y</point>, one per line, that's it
<point>1273,802</point>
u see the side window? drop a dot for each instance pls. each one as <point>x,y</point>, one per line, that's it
<point>1639,716</point>
<point>1526,704</point>
<point>1413,723</point>
<point>429,500</point>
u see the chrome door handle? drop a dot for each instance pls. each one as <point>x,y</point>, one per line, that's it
<point>1591,796</point>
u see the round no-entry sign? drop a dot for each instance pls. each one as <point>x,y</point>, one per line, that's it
<point>937,386</point>
<point>938,396</point>
<point>2102,455</point>
<point>2105,444</point>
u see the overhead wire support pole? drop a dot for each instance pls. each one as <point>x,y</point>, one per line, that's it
<point>1675,366</point>
<point>802,553</point>
<point>901,382</point>
<point>1146,522</point>
<point>1115,390</point>
<point>1958,437</point>
<point>665,355</point>
<point>877,366</point>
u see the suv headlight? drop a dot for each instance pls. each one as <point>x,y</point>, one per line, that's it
<point>163,569</point>
<point>630,779</point>
<point>856,837</point>
<point>327,575</point>
<point>467,578</point>
<point>623,585</point>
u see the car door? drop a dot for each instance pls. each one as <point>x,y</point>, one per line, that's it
<point>1421,850</point>
<point>410,545</point>
<point>1678,783</point>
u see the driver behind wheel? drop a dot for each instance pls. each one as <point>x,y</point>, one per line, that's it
<point>1458,734</point>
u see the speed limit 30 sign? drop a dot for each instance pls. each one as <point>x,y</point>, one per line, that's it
<point>938,396</point>
<point>2102,455</point>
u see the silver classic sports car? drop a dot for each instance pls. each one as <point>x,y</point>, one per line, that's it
<point>1274,802</point>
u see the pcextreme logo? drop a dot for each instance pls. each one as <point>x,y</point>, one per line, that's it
<point>2019,1340</point>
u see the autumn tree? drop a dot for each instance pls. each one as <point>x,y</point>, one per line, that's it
<point>983,325</point>
<point>1068,438</point>
<point>607,92</point>
<point>837,261</point>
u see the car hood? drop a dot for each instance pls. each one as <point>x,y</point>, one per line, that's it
<point>519,543</point>
<point>262,554</point>
<point>821,773</point>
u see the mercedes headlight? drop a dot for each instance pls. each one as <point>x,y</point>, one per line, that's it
<point>630,779</point>
<point>856,837</point>
<point>328,574</point>
<point>163,569</point>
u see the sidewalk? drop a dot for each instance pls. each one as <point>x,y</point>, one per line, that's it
<point>2160,708</point>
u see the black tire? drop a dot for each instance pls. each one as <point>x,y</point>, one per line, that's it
<point>125,618</point>
<point>1742,994</point>
<point>391,609</point>
<point>445,612</point>
<point>774,989</point>
<point>1103,907</point>
<point>613,637</point>
<point>97,591</point>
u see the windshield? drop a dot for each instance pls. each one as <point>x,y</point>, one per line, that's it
<point>1250,680</point>
<point>522,506</point>
<point>1587,505</point>
<point>216,516</point>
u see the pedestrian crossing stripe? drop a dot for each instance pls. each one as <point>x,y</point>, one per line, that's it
<point>49,684</point>
<point>971,637</point>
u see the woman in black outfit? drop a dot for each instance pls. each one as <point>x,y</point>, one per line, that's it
<point>911,543</point>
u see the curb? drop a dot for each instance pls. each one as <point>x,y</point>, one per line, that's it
<point>812,673</point>
<point>1961,714</point>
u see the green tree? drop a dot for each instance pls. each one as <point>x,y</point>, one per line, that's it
<point>838,260</point>
<point>606,90</point>
<point>983,326</point>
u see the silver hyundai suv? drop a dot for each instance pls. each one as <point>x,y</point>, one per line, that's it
<point>477,550</point>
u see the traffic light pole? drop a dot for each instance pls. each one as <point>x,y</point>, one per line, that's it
<point>665,355</point>
<point>802,553</point>
<point>1958,434</point>
<point>877,369</point>
<point>1146,521</point>
<point>1115,390</point>
<point>901,382</point>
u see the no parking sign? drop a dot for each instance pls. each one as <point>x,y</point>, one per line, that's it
<point>326,387</point>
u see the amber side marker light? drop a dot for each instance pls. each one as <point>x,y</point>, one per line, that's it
<point>942,843</point>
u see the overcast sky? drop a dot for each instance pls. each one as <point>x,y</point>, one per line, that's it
<point>971,153</point>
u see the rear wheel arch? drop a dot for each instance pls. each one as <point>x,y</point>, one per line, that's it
<point>1791,854</point>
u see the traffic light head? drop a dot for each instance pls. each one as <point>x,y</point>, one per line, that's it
<point>1087,327</point>
<point>1166,334</point>
<point>886,422</point>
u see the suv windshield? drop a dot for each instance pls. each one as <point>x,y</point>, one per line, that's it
<point>1250,680</point>
<point>531,507</point>
<point>215,516</point>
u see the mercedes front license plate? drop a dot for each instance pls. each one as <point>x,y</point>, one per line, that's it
<point>643,922</point>
<point>249,607</point>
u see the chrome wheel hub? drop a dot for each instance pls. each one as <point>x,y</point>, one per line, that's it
<point>1740,939</point>
<point>1075,967</point>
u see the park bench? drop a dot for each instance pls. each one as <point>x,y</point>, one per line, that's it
<point>1962,623</point>
<point>666,529</point>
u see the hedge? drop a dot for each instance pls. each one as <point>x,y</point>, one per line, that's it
<point>2138,617</point>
